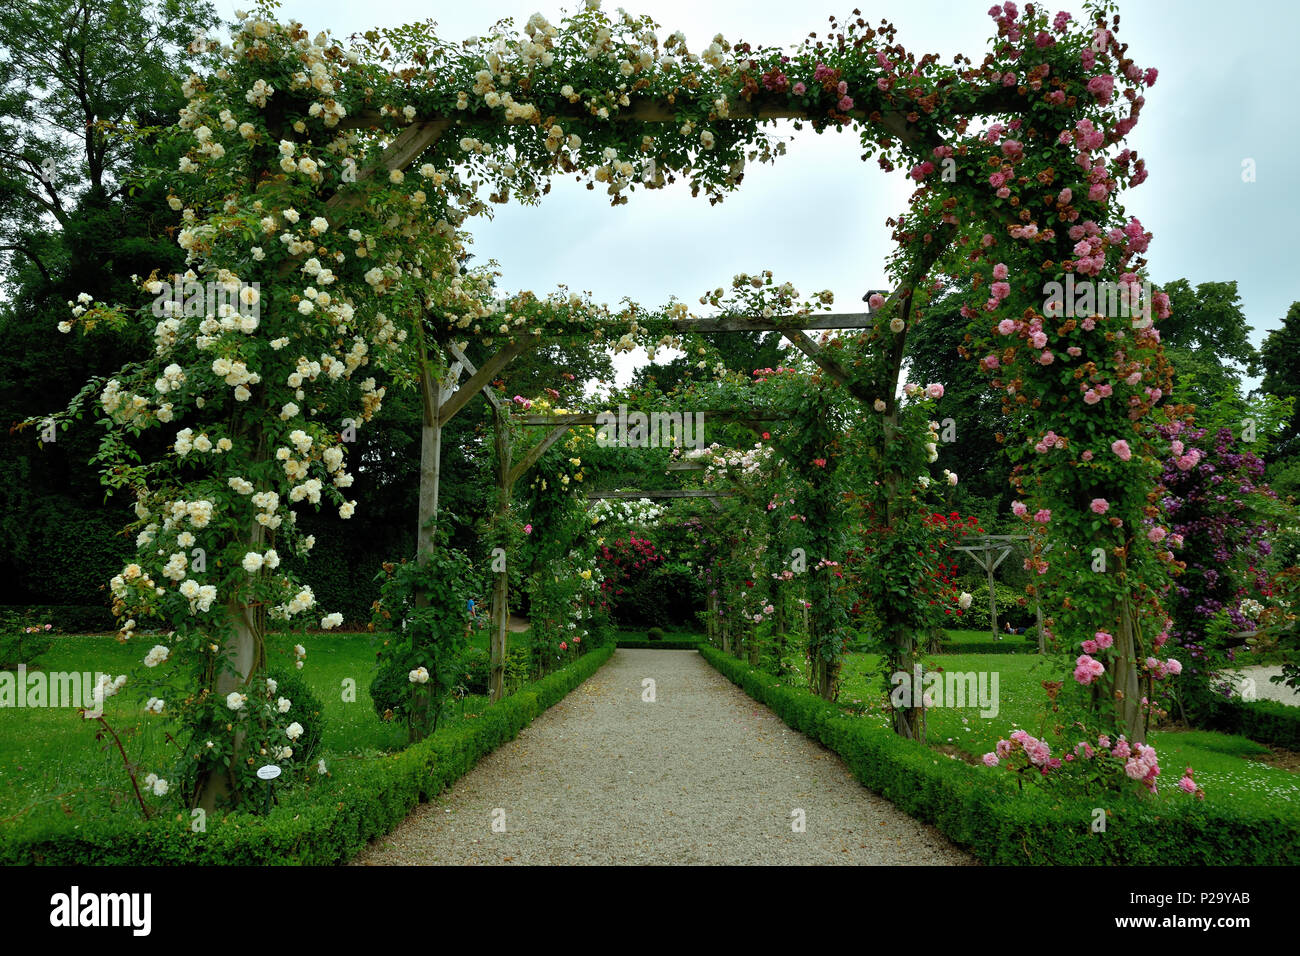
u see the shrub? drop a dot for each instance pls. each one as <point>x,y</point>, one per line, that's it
<point>1013,607</point>
<point>22,648</point>
<point>305,708</point>
<point>478,669</point>
<point>655,634</point>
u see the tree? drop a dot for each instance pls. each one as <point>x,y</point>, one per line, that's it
<point>1206,339</point>
<point>1280,358</point>
<point>73,220</point>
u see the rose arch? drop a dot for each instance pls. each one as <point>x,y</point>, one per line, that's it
<point>328,187</point>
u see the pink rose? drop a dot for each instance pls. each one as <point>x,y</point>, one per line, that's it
<point>990,760</point>
<point>876,301</point>
<point>1104,639</point>
<point>934,390</point>
<point>1087,669</point>
<point>1099,506</point>
<point>1018,509</point>
<point>1121,449</point>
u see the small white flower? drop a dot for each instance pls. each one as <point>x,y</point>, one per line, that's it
<point>293,731</point>
<point>235,700</point>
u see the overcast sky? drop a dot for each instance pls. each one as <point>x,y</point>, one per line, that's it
<point>1225,93</point>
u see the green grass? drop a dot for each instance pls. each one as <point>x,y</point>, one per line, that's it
<point>957,636</point>
<point>1220,761</point>
<point>49,754</point>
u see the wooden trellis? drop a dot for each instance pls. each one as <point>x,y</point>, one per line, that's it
<point>989,554</point>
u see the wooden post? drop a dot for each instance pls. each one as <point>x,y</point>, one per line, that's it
<point>993,600</point>
<point>500,588</point>
<point>432,393</point>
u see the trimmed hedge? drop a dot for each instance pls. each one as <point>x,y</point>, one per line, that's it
<point>984,811</point>
<point>66,618</point>
<point>1264,721</point>
<point>667,644</point>
<point>364,802</point>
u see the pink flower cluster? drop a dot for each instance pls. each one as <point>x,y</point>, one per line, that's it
<point>1188,785</point>
<point>1139,761</point>
<point>1087,669</point>
<point>1037,751</point>
<point>1098,642</point>
<point>1142,765</point>
<point>1162,669</point>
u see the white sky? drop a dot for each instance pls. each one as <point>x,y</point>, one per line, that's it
<point>817,217</point>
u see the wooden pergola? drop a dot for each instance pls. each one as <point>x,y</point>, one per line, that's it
<point>443,396</point>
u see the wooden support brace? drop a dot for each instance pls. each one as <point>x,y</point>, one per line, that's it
<point>474,385</point>
<point>537,451</point>
<point>488,393</point>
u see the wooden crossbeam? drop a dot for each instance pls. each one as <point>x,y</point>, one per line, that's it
<point>805,344</point>
<point>686,466</point>
<point>761,106</point>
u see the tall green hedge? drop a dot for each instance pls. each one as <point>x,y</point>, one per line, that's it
<point>999,824</point>
<point>365,800</point>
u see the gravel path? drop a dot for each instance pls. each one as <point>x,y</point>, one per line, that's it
<point>1264,689</point>
<point>702,775</point>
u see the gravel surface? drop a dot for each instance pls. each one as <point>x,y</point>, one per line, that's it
<point>702,775</point>
<point>1264,689</point>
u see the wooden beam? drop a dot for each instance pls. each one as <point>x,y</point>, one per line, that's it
<point>777,323</point>
<point>761,106</point>
<point>459,399</point>
<point>537,451</point>
<point>692,465</point>
<point>665,493</point>
<point>726,416</point>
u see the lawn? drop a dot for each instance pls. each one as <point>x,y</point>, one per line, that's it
<point>52,755</point>
<point>1222,762</point>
